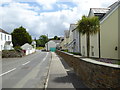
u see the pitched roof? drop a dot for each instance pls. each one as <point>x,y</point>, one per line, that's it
<point>26,46</point>
<point>100,12</point>
<point>112,8</point>
<point>3,31</point>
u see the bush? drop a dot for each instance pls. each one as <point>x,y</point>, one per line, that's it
<point>66,50</point>
<point>119,63</point>
<point>11,54</point>
<point>18,48</point>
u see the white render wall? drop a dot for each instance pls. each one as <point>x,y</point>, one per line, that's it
<point>119,33</point>
<point>51,44</point>
<point>109,36</point>
<point>3,39</point>
<point>94,45</point>
<point>77,44</point>
<point>83,45</point>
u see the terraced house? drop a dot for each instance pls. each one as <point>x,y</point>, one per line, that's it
<point>106,43</point>
<point>5,40</point>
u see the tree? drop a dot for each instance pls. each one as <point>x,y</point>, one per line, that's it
<point>43,40</point>
<point>20,36</point>
<point>88,26</point>
<point>55,38</point>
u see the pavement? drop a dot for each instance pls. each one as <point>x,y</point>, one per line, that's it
<point>61,75</point>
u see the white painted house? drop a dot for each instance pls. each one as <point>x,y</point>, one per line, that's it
<point>52,45</point>
<point>74,39</point>
<point>29,49</point>
<point>106,43</point>
<point>5,40</point>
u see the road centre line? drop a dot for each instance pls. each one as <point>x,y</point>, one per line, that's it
<point>7,72</point>
<point>34,72</point>
<point>26,63</point>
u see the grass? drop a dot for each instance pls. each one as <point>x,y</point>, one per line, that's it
<point>39,48</point>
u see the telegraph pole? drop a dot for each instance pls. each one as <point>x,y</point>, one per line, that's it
<point>47,43</point>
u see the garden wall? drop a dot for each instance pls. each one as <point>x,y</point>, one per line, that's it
<point>93,73</point>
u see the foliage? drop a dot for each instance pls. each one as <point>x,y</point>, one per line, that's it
<point>66,50</point>
<point>88,26</point>
<point>119,63</point>
<point>55,38</point>
<point>20,36</point>
<point>75,53</point>
<point>11,54</point>
<point>17,48</point>
<point>39,48</point>
<point>43,39</point>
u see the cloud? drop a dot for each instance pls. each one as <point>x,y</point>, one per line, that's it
<point>53,23</point>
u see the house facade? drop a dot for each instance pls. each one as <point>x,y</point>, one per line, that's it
<point>52,45</point>
<point>5,40</point>
<point>74,39</point>
<point>64,43</point>
<point>29,49</point>
<point>110,33</point>
<point>106,43</point>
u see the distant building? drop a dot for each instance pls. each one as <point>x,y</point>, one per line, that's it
<point>74,39</point>
<point>29,49</point>
<point>52,45</point>
<point>5,40</point>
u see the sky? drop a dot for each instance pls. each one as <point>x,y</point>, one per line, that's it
<point>42,17</point>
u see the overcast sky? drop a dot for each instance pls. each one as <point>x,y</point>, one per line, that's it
<point>50,17</point>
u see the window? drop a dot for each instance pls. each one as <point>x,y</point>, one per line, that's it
<point>8,37</point>
<point>1,47</point>
<point>5,37</point>
<point>1,36</point>
<point>92,50</point>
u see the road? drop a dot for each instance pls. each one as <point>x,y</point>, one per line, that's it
<point>26,72</point>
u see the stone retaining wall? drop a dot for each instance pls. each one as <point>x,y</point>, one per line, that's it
<point>93,73</point>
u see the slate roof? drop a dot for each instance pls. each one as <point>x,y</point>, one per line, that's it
<point>3,31</point>
<point>100,10</point>
<point>112,7</point>
<point>103,12</point>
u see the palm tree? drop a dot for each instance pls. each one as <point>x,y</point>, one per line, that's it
<point>88,26</point>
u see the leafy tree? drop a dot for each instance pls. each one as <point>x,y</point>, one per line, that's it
<point>55,38</point>
<point>88,26</point>
<point>20,36</point>
<point>43,39</point>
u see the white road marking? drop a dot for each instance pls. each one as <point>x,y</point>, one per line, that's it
<point>26,63</point>
<point>7,72</point>
<point>30,75</point>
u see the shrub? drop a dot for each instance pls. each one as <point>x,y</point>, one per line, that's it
<point>65,50</point>
<point>75,53</point>
<point>119,63</point>
<point>11,54</point>
<point>18,48</point>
